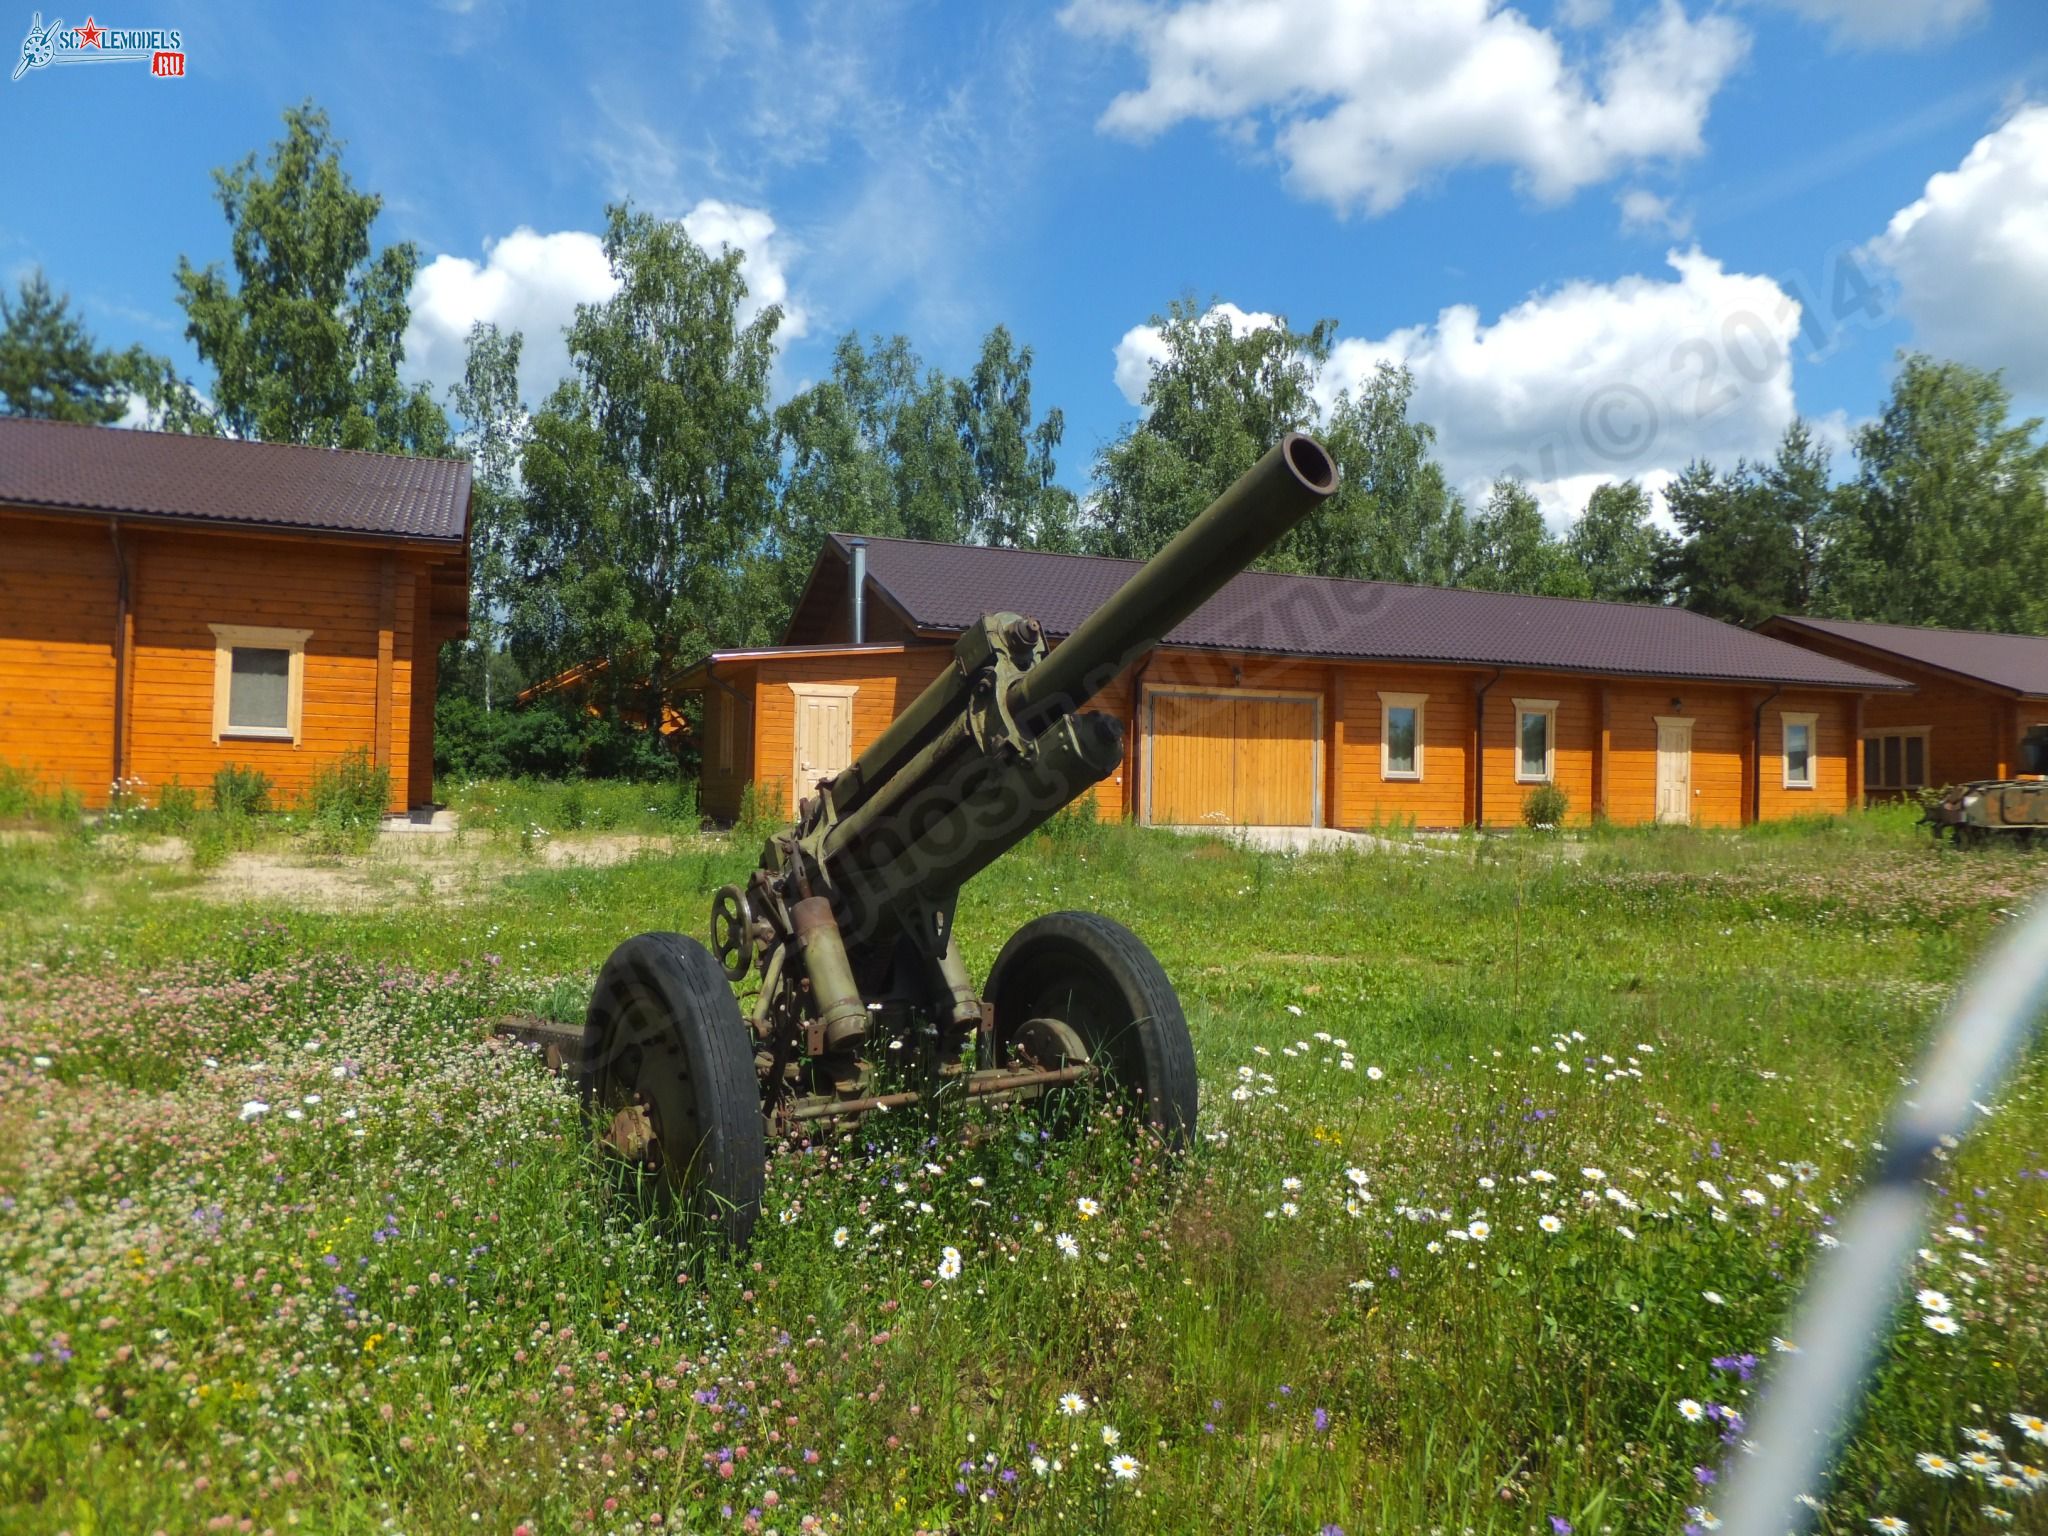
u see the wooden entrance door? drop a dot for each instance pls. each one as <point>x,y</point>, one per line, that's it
<point>824,736</point>
<point>1674,770</point>
<point>1231,759</point>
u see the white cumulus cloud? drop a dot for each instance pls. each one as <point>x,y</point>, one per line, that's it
<point>1368,99</point>
<point>1598,381</point>
<point>527,282</point>
<point>1143,348</point>
<point>1970,255</point>
<point>532,282</point>
<point>1886,23</point>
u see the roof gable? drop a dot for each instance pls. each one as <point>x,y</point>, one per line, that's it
<point>232,482</point>
<point>943,588</point>
<point>2013,663</point>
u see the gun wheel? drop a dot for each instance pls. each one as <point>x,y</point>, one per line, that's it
<point>1073,979</point>
<point>669,1087</point>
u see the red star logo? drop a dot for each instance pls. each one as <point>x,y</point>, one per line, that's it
<point>89,35</point>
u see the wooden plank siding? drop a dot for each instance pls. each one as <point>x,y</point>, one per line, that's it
<point>728,760</point>
<point>369,610</point>
<point>1972,731</point>
<point>1605,749</point>
<point>57,635</point>
<point>885,683</point>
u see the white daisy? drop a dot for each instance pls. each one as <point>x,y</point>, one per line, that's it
<point>840,1237</point>
<point>1068,1248</point>
<point>1690,1410</point>
<point>1549,1223</point>
<point>1073,1404</point>
<point>1125,1468</point>
<point>1934,1464</point>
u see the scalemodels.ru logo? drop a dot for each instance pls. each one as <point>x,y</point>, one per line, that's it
<point>161,48</point>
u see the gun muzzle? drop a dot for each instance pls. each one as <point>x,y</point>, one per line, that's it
<point>1296,476</point>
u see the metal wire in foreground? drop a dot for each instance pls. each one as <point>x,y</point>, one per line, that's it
<point>1849,1302</point>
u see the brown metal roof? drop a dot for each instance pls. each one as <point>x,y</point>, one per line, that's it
<point>226,480</point>
<point>2015,663</point>
<point>946,587</point>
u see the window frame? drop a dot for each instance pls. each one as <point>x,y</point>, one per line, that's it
<point>1810,719</point>
<point>1904,733</point>
<point>227,639</point>
<point>1548,709</point>
<point>1389,702</point>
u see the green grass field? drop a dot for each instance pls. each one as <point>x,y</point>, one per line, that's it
<point>1514,1153</point>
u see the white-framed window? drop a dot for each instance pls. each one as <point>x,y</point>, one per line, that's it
<point>1798,735</point>
<point>1401,735</point>
<point>1535,740</point>
<point>259,682</point>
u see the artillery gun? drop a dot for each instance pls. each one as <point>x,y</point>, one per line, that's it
<point>2006,809</point>
<point>862,1003</point>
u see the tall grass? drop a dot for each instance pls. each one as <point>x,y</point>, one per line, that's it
<point>394,1297</point>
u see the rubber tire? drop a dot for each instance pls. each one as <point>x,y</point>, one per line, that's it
<point>667,994</point>
<point>1097,976</point>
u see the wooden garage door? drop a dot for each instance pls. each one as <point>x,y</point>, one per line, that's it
<point>1232,759</point>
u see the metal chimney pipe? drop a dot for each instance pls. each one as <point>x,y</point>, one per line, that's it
<point>859,548</point>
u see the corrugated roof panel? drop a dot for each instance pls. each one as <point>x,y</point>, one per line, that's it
<point>225,480</point>
<point>2017,662</point>
<point>949,586</point>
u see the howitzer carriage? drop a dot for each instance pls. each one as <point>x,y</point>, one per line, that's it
<point>862,1003</point>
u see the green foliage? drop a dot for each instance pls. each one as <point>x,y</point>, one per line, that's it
<point>648,477</point>
<point>515,807</point>
<point>1221,396</point>
<point>1545,806</point>
<point>211,838</point>
<point>436,1189</point>
<point>177,807</point>
<point>493,415</point>
<point>883,446</point>
<point>1513,550</point>
<point>23,799</point>
<point>471,742</point>
<point>1749,538</point>
<point>1619,552</point>
<point>239,790</point>
<point>51,368</point>
<point>763,811</point>
<point>1946,521</point>
<point>345,800</point>
<point>1393,518</point>
<point>1216,401</point>
<point>306,338</point>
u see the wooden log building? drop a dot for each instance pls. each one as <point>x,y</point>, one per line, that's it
<point>1305,701</point>
<point>173,604</point>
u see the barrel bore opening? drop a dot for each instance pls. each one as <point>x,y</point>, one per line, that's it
<point>1306,458</point>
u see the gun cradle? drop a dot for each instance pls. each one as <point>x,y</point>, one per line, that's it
<point>862,1002</point>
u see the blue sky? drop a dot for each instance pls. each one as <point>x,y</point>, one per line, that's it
<point>1588,227</point>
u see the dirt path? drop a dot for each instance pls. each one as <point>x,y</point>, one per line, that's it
<point>399,869</point>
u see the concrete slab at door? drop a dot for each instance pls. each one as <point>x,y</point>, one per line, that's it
<point>1674,770</point>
